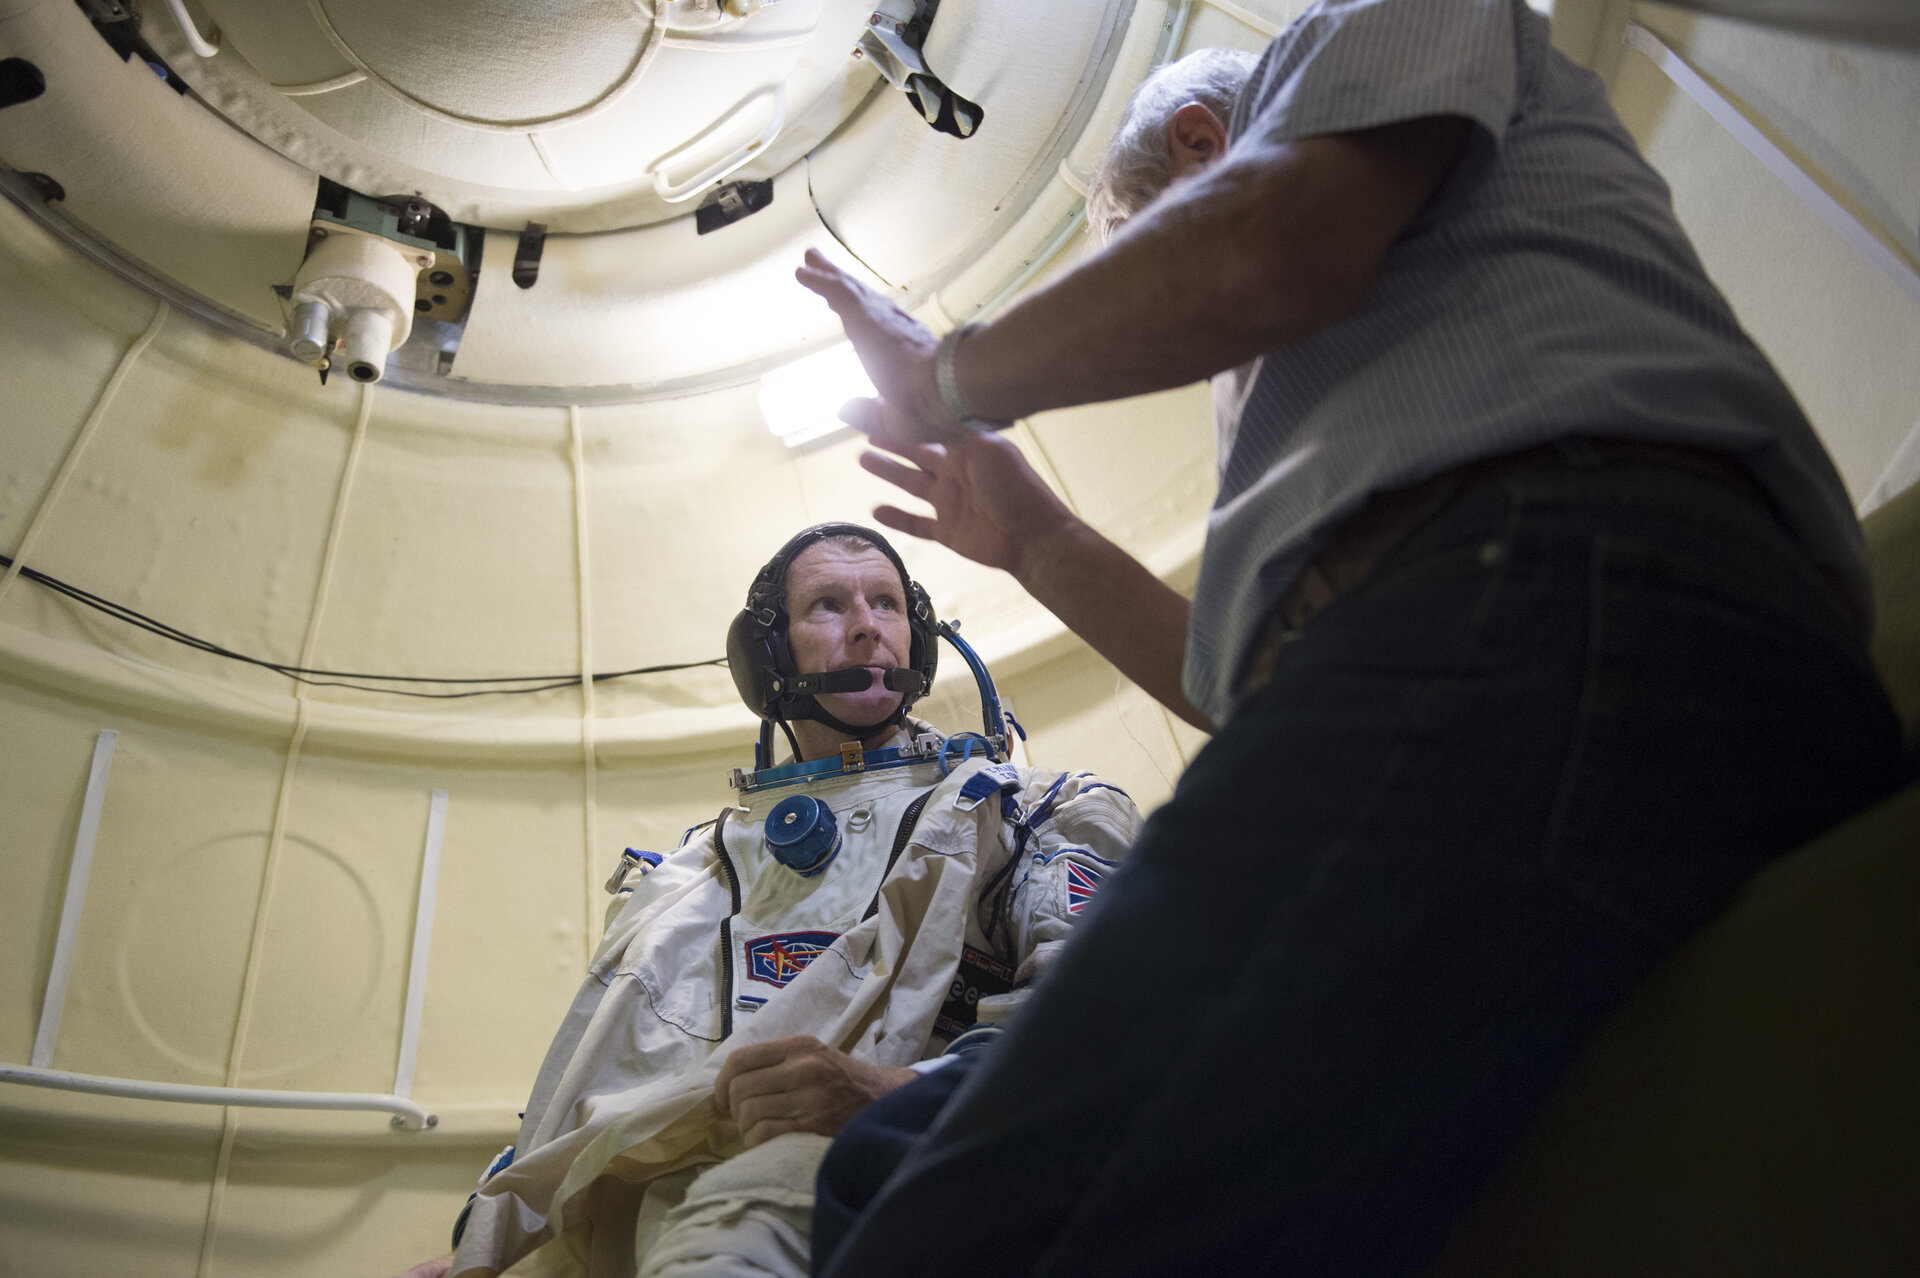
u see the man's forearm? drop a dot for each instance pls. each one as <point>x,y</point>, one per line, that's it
<point>1112,601</point>
<point>1272,244</point>
<point>1157,308</point>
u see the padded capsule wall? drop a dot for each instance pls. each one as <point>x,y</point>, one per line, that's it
<point>1841,333</point>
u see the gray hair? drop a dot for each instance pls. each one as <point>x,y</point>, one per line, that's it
<point>1137,165</point>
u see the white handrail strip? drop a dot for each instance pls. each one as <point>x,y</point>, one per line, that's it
<point>77,874</point>
<point>422,944</point>
<point>1264,27</point>
<point>406,1113</point>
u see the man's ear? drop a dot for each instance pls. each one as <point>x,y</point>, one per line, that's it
<point>1196,137</point>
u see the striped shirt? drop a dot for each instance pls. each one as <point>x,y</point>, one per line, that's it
<point>1545,291</point>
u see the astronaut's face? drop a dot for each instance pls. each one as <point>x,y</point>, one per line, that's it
<point>847,608</point>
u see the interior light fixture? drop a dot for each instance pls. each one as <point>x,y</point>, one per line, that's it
<point>800,400</point>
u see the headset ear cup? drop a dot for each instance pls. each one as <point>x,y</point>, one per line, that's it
<point>751,663</point>
<point>924,652</point>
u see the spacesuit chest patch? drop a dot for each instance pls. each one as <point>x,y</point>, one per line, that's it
<point>978,976</point>
<point>778,958</point>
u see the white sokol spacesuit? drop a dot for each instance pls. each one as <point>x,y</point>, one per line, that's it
<point>954,880</point>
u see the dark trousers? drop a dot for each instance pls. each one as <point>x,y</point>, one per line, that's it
<point>1483,794</point>
<point>870,1147</point>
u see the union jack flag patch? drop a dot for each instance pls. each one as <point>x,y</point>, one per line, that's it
<point>777,959</point>
<point>1081,883</point>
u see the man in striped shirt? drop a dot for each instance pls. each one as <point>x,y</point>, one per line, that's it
<point>1531,622</point>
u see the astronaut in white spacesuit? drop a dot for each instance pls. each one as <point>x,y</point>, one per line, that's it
<point>830,935</point>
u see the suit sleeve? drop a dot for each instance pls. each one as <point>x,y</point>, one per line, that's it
<point>1076,832</point>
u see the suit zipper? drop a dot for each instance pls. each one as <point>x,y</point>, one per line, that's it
<point>908,819</point>
<point>726,924</point>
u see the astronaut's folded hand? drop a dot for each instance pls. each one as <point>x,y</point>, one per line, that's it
<point>798,1085</point>
<point>1035,965</point>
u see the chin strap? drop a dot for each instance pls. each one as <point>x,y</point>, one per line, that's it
<point>818,714</point>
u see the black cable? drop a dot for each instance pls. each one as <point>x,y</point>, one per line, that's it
<point>335,678</point>
<point>791,739</point>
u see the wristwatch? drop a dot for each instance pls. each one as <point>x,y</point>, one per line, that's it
<point>949,388</point>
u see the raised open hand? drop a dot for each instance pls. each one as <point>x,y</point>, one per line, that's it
<point>897,351</point>
<point>988,503</point>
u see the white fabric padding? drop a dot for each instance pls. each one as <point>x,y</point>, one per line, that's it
<point>623,143</point>
<point>748,1216</point>
<point>149,171</point>
<point>504,113</point>
<point>500,62</point>
<point>653,304</point>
